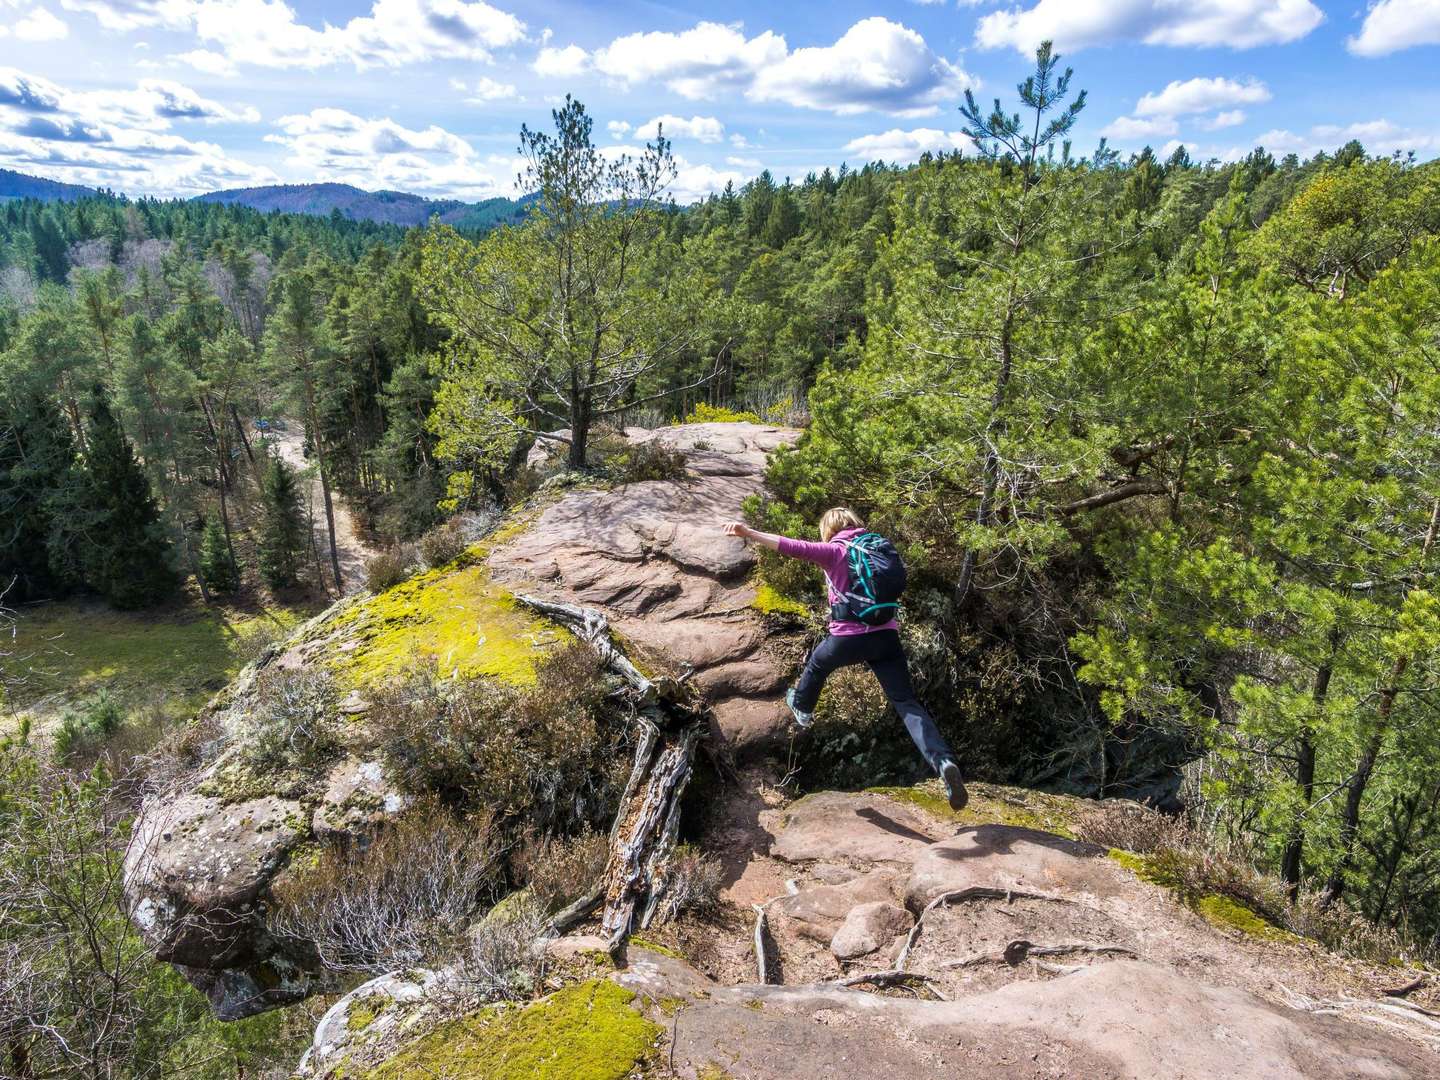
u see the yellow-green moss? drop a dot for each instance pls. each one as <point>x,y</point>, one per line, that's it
<point>360,1016</point>
<point>993,805</point>
<point>589,1031</point>
<point>713,1072</point>
<point>640,941</point>
<point>452,616</point>
<point>771,602</point>
<point>1219,911</point>
<point>703,413</point>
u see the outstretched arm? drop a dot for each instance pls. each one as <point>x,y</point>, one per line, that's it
<point>752,536</point>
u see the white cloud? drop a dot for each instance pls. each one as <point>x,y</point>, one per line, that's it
<point>1392,25</point>
<point>902,147</point>
<point>1378,136</point>
<point>1201,95</point>
<point>485,90</point>
<point>1127,128</point>
<point>38,25</point>
<point>618,128</point>
<point>743,162</point>
<point>875,65</point>
<point>267,33</point>
<point>739,141</point>
<point>1078,24</point>
<point>563,63</point>
<point>337,145</point>
<point>117,138</point>
<point>703,62</point>
<point>1229,118</point>
<point>705,129</point>
<point>695,182</point>
<point>211,63</point>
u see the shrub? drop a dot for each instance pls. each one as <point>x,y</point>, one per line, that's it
<point>559,870</point>
<point>693,881</point>
<point>1132,827</point>
<point>292,725</point>
<point>544,754</point>
<point>405,899</point>
<point>704,413</point>
<point>384,570</point>
<point>502,962</point>
<point>84,728</point>
<point>441,545</point>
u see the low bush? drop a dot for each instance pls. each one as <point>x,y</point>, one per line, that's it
<point>558,870</point>
<point>441,545</point>
<point>292,726</point>
<point>1132,827</point>
<point>385,570</point>
<point>84,728</point>
<point>705,413</point>
<point>546,756</point>
<point>693,881</point>
<point>407,898</point>
<point>652,460</point>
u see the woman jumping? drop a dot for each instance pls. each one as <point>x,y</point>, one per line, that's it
<point>851,641</point>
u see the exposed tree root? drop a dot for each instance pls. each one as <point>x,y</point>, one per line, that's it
<point>890,978</point>
<point>1409,988</point>
<point>957,896</point>
<point>1406,1017</point>
<point>1020,950</point>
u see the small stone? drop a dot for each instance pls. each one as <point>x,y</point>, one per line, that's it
<point>867,927</point>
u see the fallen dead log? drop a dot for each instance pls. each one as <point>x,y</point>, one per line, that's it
<point>642,838</point>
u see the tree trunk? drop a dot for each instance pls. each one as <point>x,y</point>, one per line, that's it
<point>579,432</point>
<point>990,466</point>
<point>240,428</point>
<point>1291,863</point>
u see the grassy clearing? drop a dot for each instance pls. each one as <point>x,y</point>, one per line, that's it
<point>170,660</point>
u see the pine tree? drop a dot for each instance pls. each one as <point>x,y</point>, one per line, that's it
<point>37,480</point>
<point>282,528</point>
<point>216,566</point>
<point>125,553</point>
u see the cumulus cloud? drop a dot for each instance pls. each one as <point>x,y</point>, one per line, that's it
<point>618,129</point>
<point>705,129</point>
<point>268,33</point>
<point>1078,24</point>
<point>1201,95</point>
<point>337,145</point>
<point>37,25</point>
<point>1378,136</point>
<point>876,65</point>
<point>902,147</point>
<point>1229,118</point>
<point>484,90</point>
<point>1129,128</point>
<point>118,138</point>
<point>695,182</point>
<point>561,63</point>
<point>1392,25</point>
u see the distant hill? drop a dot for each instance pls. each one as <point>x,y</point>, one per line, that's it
<point>392,207</point>
<point>14,185</point>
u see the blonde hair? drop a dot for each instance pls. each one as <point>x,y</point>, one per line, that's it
<point>837,519</point>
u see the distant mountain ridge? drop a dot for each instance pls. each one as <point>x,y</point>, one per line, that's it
<point>17,185</point>
<point>391,207</point>
<point>319,200</point>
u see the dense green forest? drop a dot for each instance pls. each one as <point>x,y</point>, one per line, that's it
<point>1158,439</point>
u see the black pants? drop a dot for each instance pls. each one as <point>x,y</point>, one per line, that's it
<point>881,649</point>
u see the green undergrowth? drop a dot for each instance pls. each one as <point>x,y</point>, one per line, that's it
<point>1217,909</point>
<point>993,804</point>
<point>452,617</point>
<point>589,1031</point>
<point>704,413</point>
<point>171,660</point>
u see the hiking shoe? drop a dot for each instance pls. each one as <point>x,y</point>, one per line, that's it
<point>802,719</point>
<point>954,786</point>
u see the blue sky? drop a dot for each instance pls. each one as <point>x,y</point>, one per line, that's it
<point>175,97</point>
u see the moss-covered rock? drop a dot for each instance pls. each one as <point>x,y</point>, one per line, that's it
<point>590,1031</point>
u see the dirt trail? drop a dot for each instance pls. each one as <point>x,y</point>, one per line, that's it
<point>353,550</point>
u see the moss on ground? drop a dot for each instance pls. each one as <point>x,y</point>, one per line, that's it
<point>640,941</point>
<point>770,601</point>
<point>1220,911</point>
<point>992,804</point>
<point>589,1031</point>
<point>451,616</point>
<point>361,1015</point>
<point>173,659</point>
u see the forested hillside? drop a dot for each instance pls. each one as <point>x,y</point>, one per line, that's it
<point>1157,439</point>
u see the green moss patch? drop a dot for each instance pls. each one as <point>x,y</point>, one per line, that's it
<point>991,804</point>
<point>1220,911</point>
<point>451,616</point>
<point>771,602</point>
<point>589,1031</point>
<point>361,1015</point>
<point>640,941</point>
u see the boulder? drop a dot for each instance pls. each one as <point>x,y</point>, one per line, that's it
<point>868,927</point>
<point>819,911</point>
<point>358,798</point>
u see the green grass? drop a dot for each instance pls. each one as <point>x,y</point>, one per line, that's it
<point>175,658</point>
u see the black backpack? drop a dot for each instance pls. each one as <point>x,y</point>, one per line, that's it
<point>874,580</point>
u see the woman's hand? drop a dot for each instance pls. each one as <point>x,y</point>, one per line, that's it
<point>738,528</point>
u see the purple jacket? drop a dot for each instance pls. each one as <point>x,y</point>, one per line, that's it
<point>830,557</point>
